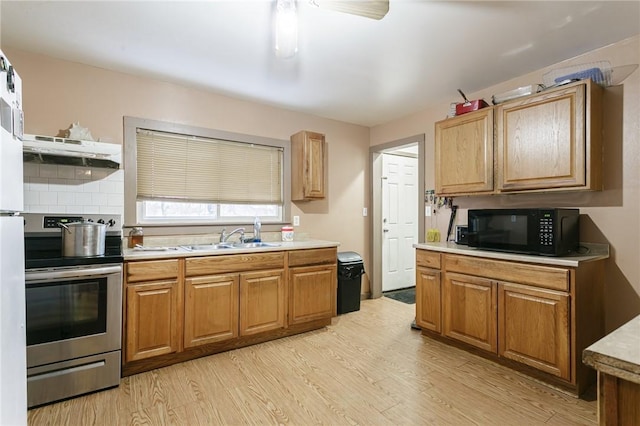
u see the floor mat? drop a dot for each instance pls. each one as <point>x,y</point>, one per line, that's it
<point>405,295</point>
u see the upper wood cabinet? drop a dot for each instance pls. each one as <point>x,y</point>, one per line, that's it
<point>464,153</point>
<point>549,141</point>
<point>307,166</point>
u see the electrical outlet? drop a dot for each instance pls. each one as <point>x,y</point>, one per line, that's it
<point>296,221</point>
<point>364,211</point>
<point>427,210</point>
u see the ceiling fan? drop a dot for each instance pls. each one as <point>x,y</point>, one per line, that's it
<point>374,9</point>
<point>286,23</point>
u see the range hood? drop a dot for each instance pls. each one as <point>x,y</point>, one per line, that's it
<point>70,152</point>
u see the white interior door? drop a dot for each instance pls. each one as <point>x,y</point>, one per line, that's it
<point>399,221</point>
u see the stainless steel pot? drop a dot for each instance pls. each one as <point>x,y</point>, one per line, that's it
<point>83,239</point>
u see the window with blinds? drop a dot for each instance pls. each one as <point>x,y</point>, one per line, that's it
<point>201,170</point>
<point>178,175</point>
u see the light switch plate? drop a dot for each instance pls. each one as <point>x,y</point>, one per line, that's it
<point>364,211</point>
<point>427,210</point>
<point>296,221</point>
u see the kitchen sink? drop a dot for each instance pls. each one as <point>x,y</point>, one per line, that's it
<point>255,245</point>
<point>197,247</point>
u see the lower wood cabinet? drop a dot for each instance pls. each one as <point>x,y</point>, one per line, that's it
<point>182,308</point>
<point>428,300</point>
<point>313,285</point>
<point>470,310</point>
<point>534,328</point>
<point>618,401</point>
<point>542,317</point>
<point>262,302</point>
<point>312,293</point>
<point>153,309</point>
<point>211,309</point>
<point>152,319</point>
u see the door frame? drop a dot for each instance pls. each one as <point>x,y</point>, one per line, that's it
<point>375,191</point>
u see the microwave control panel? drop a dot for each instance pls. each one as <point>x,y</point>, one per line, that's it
<point>546,231</point>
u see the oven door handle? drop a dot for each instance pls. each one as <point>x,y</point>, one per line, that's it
<point>71,273</point>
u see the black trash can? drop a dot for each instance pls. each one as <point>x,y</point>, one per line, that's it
<point>350,270</point>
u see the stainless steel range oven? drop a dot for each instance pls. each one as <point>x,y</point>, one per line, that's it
<point>74,311</point>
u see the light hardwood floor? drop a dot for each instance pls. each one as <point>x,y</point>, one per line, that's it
<point>368,367</point>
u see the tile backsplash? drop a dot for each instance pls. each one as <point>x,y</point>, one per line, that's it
<point>50,188</point>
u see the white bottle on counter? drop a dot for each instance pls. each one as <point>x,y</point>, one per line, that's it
<point>287,233</point>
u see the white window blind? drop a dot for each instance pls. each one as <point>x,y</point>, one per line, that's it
<point>194,169</point>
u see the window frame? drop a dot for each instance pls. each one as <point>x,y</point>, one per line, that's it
<point>131,124</point>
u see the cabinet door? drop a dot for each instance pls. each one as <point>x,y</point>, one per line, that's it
<point>153,312</point>
<point>307,166</point>
<point>314,166</point>
<point>469,310</point>
<point>312,293</point>
<point>428,299</point>
<point>211,309</point>
<point>534,328</point>
<point>464,154</point>
<point>541,141</point>
<point>262,301</point>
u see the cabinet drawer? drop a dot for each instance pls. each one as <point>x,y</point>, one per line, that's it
<point>234,263</point>
<point>313,256</point>
<point>537,275</point>
<point>428,259</point>
<point>151,270</point>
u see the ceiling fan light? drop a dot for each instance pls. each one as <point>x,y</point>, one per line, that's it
<point>286,29</point>
<point>374,9</point>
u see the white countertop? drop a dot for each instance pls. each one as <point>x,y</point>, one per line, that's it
<point>177,251</point>
<point>617,353</point>
<point>595,252</point>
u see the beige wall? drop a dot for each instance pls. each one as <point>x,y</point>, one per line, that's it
<point>611,216</point>
<point>57,93</point>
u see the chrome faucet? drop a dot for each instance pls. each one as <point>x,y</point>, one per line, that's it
<point>224,237</point>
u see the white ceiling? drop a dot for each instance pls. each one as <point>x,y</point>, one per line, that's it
<point>348,67</point>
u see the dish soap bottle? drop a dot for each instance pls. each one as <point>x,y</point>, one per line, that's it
<point>256,230</point>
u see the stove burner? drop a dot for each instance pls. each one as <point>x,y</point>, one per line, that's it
<point>43,241</point>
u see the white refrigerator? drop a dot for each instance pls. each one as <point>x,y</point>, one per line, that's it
<point>13,340</point>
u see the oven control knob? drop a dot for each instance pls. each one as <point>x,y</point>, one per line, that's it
<point>100,220</point>
<point>89,220</point>
<point>111,222</point>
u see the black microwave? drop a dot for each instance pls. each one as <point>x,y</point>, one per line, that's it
<point>548,232</point>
